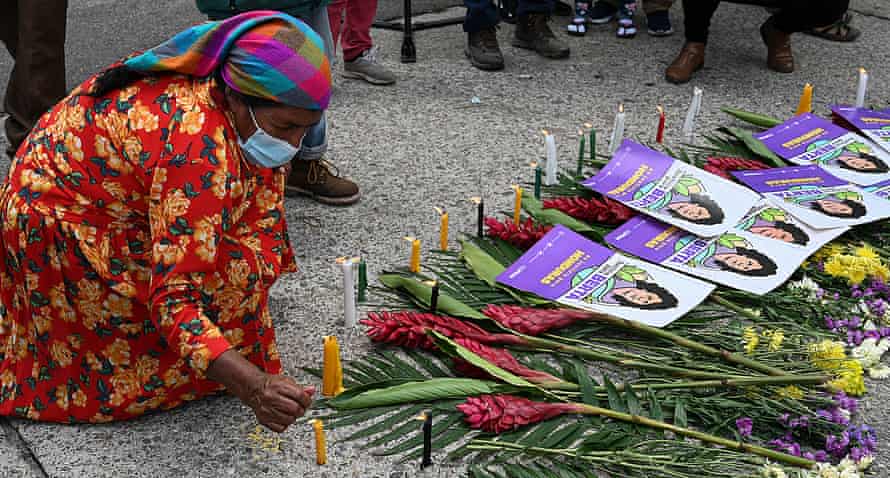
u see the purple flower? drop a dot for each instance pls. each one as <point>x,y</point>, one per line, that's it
<point>744,425</point>
<point>800,422</point>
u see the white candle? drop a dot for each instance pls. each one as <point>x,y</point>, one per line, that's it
<point>863,87</point>
<point>617,130</point>
<point>349,306</point>
<point>550,169</point>
<point>691,114</point>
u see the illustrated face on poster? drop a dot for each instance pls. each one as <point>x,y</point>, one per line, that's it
<point>736,259</point>
<point>672,191</point>
<point>775,222</point>
<point>816,197</point>
<point>570,269</point>
<point>875,125</point>
<point>808,139</point>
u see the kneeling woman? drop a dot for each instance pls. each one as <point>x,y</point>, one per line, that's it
<point>142,227</point>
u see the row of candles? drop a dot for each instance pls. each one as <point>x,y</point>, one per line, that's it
<point>333,370</point>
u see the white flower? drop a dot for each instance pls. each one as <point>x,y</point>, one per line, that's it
<point>770,470</point>
<point>850,473</point>
<point>879,372</point>
<point>870,351</point>
<point>824,470</point>
<point>865,462</point>
<point>806,286</point>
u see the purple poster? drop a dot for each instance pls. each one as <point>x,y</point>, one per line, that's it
<point>881,190</point>
<point>570,269</point>
<point>875,125</point>
<point>737,259</point>
<point>811,140</point>
<point>816,197</point>
<point>672,191</point>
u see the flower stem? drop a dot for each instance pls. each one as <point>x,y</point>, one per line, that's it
<point>705,437</point>
<point>810,379</point>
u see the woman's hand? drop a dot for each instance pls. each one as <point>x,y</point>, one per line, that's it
<point>280,401</point>
<point>276,400</point>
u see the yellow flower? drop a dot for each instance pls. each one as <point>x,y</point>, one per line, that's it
<point>791,391</point>
<point>849,379</point>
<point>829,250</point>
<point>856,268</point>
<point>866,251</point>
<point>827,355</point>
<point>750,339</point>
<point>775,342</point>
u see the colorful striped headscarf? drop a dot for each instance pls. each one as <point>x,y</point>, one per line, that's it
<point>265,54</point>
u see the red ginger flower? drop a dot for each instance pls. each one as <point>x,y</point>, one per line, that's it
<point>722,166</point>
<point>500,357</point>
<point>500,413</point>
<point>523,236</point>
<point>532,321</point>
<point>602,211</point>
<point>409,329</point>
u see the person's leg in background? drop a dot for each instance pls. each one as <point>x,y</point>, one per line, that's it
<point>697,20</point>
<point>658,17</point>
<point>353,34</point>
<point>533,31</point>
<point>310,174</point>
<point>34,34</point>
<point>480,25</point>
<point>796,16</point>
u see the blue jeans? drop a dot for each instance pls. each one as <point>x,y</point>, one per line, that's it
<point>483,14</point>
<point>315,143</point>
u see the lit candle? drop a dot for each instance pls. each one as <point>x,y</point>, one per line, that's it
<point>443,229</point>
<point>691,114</point>
<point>321,450</point>
<point>480,215</point>
<point>414,265</point>
<point>863,87</point>
<point>617,130</point>
<point>806,101</point>
<point>659,135</point>
<point>427,418</point>
<point>550,168</point>
<point>517,204</point>
<point>537,180</point>
<point>332,376</point>
<point>580,153</point>
<point>362,279</point>
<point>349,312</point>
<point>592,142</point>
<point>434,295</point>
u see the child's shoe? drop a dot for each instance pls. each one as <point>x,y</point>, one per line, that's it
<point>578,27</point>
<point>601,13</point>
<point>626,26</point>
<point>659,24</point>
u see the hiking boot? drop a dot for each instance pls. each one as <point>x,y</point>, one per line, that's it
<point>483,50</point>
<point>314,178</point>
<point>365,67</point>
<point>602,13</point>
<point>533,33</point>
<point>690,60</point>
<point>778,47</point>
<point>659,24</point>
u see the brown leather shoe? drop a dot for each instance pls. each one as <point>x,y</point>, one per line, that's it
<point>778,47</point>
<point>690,60</point>
<point>315,179</point>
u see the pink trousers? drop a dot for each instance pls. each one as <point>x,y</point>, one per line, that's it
<point>351,25</point>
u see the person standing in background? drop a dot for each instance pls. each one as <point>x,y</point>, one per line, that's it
<point>310,174</point>
<point>351,22</point>
<point>603,11</point>
<point>33,32</point>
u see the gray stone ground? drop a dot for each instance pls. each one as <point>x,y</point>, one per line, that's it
<point>419,144</point>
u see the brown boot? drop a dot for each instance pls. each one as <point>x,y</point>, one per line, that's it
<point>690,60</point>
<point>315,179</point>
<point>778,47</point>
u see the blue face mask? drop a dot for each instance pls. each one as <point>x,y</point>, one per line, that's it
<point>265,150</point>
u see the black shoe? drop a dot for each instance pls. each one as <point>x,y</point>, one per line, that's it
<point>483,50</point>
<point>533,33</point>
<point>602,13</point>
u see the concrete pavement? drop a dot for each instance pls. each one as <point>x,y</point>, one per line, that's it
<point>419,144</point>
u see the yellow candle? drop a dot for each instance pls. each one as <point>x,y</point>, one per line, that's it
<point>332,379</point>
<point>806,101</point>
<point>414,265</point>
<point>321,450</point>
<point>443,230</point>
<point>517,206</point>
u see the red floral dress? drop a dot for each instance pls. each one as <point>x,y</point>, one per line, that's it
<point>138,245</point>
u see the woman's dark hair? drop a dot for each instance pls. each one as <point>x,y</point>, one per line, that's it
<point>880,166</point>
<point>715,214</point>
<point>668,300</point>
<point>115,78</point>
<point>767,265</point>
<point>797,235</point>
<point>857,209</point>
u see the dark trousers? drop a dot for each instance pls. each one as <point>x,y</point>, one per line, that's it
<point>33,32</point>
<point>482,14</point>
<point>792,16</point>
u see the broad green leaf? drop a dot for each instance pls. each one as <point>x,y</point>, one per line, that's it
<point>588,390</point>
<point>486,268</point>
<point>756,146</point>
<point>756,119</point>
<point>416,392</point>
<point>655,406</point>
<point>615,401</point>
<point>422,293</point>
<point>633,402</point>
<point>535,208</point>
<point>680,413</point>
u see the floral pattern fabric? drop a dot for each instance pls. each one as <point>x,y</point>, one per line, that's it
<point>138,245</point>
